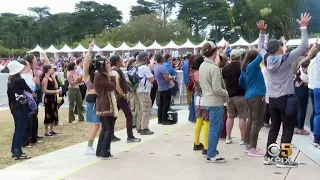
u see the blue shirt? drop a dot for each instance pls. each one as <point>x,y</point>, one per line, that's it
<point>159,70</point>
<point>185,69</point>
<point>169,68</point>
<point>252,79</point>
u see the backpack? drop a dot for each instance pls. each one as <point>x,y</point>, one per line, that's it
<point>133,78</point>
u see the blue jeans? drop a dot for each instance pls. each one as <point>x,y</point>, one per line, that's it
<point>302,95</point>
<point>20,116</point>
<point>192,110</point>
<point>311,94</point>
<point>316,129</point>
<point>216,122</point>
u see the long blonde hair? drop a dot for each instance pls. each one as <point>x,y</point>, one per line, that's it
<point>86,65</point>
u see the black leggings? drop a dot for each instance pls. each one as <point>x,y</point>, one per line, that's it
<point>164,105</point>
<point>105,137</point>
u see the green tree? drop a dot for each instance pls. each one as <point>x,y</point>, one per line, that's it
<point>143,7</point>
<point>165,7</point>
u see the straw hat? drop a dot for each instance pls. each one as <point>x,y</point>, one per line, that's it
<point>14,67</point>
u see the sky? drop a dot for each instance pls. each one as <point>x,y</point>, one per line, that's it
<point>57,6</point>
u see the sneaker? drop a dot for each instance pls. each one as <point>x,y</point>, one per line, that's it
<point>295,131</point>
<point>115,139</point>
<point>287,164</point>
<point>109,157</point>
<point>303,132</point>
<point>316,143</point>
<point>256,153</point>
<point>133,140</point>
<point>228,140</point>
<point>268,161</point>
<point>311,136</point>
<point>204,152</point>
<point>267,125</point>
<point>48,134</point>
<point>40,137</point>
<point>216,159</point>
<point>28,146</point>
<point>246,149</point>
<point>242,142</point>
<point>139,131</point>
<point>198,147</point>
<point>146,132</point>
<point>54,133</point>
<point>90,151</point>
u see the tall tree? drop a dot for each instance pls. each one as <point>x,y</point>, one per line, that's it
<point>40,12</point>
<point>143,7</point>
<point>165,7</point>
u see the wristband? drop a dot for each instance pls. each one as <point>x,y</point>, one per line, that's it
<point>303,27</point>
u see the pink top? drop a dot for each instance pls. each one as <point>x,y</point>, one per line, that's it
<point>196,75</point>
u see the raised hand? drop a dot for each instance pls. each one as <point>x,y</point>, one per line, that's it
<point>304,20</point>
<point>91,45</point>
<point>262,26</point>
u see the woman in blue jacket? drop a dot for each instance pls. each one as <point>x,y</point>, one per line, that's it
<point>252,80</point>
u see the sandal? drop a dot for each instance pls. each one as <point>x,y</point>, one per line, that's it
<point>22,157</point>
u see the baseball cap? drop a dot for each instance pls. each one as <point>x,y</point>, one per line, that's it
<point>235,53</point>
<point>273,45</point>
<point>209,48</point>
<point>142,55</point>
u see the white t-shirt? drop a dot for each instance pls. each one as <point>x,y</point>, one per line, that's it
<point>311,74</point>
<point>28,78</point>
<point>145,73</point>
<point>317,72</point>
<point>265,77</point>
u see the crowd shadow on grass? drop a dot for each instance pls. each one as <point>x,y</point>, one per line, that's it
<point>70,134</point>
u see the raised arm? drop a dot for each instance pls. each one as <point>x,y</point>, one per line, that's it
<point>262,36</point>
<point>87,61</point>
<point>101,83</point>
<point>256,62</point>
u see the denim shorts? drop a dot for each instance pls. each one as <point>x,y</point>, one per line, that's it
<point>91,116</point>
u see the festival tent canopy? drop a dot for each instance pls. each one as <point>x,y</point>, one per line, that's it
<point>256,42</point>
<point>37,49</point>
<point>201,44</point>
<point>240,42</point>
<point>96,48</point>
<point>187,45</point>
<point>171,45</point>
<point>80,48</point>
<point>65,49</point>
<point>139,46</point>
<point>155,45</point>
<point>51,49</point>
<point>222,43</point>
<point>109,47</point>
<point>297,42</point>
<point>123,47</point>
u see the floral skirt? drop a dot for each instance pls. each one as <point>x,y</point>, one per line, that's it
<point>202,112</point>
<point>50,109</point>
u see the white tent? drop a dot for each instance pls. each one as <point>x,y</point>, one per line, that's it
<point>297,42</point>
<point>187,45</point>
<point>139,46</point>
<point>37,49</point>
<point>109,47</point>
<point>79,48</point>
<point>222,43</point>
<point>256,42</point>
<point>123,47</point>
<point>155,45</point>
<point>96,48</point>
<point>65,49</point>
<point>201,44</point>
<point>171,45</point>
<point>51,49</point>
<point>240,42</point>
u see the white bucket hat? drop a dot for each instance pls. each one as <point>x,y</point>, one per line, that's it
<point>14,67</point>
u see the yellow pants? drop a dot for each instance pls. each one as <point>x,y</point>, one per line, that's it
<point>197,131</point>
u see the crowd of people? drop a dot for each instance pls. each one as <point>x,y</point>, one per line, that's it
<point>258,85</point>
<point>101,83</point>
<point>255,85</point>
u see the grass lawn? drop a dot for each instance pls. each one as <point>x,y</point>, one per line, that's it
<point>70,134</point>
